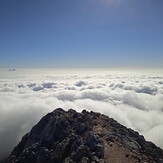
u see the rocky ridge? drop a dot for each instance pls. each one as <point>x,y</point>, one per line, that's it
<point>86,137</point>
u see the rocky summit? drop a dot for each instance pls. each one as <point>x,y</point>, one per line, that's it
<point>86,137</point>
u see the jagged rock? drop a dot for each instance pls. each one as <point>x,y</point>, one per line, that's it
<point>87,137</point>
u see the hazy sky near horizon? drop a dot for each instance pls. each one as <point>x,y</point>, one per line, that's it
<point>81,33</point>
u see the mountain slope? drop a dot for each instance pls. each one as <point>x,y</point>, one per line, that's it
<point>87,137</point>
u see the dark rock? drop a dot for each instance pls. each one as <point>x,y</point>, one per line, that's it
<point>80,128</point>
<point>91,140</point>
<point>87,137</point>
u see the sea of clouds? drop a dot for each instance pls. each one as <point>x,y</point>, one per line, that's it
<point>134,99</point>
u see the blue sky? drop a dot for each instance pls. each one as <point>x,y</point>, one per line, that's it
<point>81,33</point>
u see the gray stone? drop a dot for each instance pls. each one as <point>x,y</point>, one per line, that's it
<point>71,137</point>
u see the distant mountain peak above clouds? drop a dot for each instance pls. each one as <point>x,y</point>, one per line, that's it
<point>12,69</point>
<point>86,137</point>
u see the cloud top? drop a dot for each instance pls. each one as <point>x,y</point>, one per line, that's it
<point>134,100</point>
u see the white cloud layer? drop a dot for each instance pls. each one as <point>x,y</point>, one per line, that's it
<point>134,100</point>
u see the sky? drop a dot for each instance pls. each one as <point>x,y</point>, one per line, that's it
<point>85,33</point>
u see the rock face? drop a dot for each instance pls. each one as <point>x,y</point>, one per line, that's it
<point>87,137</point>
